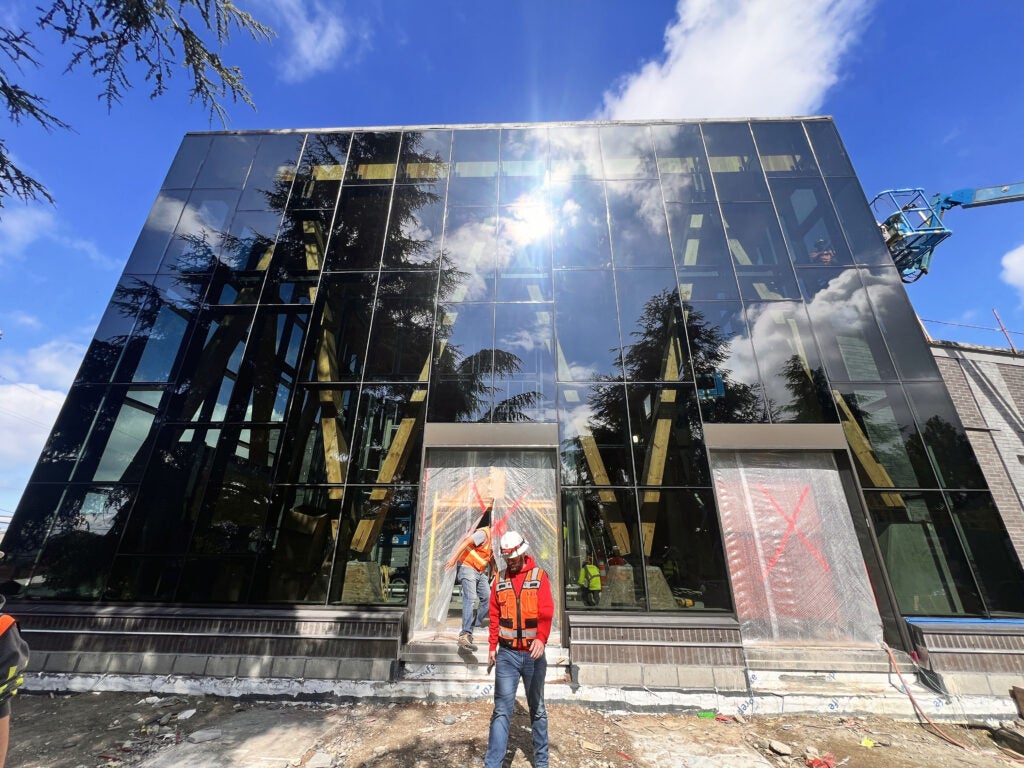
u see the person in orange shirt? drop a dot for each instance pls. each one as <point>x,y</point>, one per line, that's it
<point>474,558</point>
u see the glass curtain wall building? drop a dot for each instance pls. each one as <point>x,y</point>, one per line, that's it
<point>248,424</point>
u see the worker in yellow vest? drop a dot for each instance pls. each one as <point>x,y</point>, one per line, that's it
<point>475,559</point>
<point>589,582</point>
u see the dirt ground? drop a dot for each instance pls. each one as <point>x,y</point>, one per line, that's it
<point>88,730</point>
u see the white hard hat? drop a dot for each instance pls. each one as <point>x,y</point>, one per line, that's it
<point>513,545</point>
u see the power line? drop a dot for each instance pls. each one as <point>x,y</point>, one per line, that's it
<point>31,391</point>
<point>25,418</point>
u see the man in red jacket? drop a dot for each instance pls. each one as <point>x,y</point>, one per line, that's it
<point>521,612</point>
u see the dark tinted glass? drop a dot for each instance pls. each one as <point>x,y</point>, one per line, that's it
<point>341,323</point>
<point>809,222</point>
<point>586,351</point>
<point>121,436</point>
<point>216,579</point>
<point>524,166</point>
<point>415,226</point>
<point>668,442</point>
<point>403,327</point>
<point>851,343</point>
<point>683,164</point>
<point>734,163</point>
<point>69,434</point>
<point>200,231</point>
<point>759,252</point>
<point>373,158</point>
<point>186,163</point>
<point>990,550</point>
<point>357,240</point>
<point>899,324</point>
<point>944,436</point>
<point>162,331</point>
<point>791,370</point>
<point>270,368</point>
<point>470,248</point>
<point>298,258</point>
<point>112,334</point>
<point>628,152</point>
<point>524,363</point>
<point>829,148</point>
<point>639,230</point>
<point>858,224</point>
<point>462,377</point>
<point>701,253</point>
<point>227,163</point>
<point>686,568</point>
<point>580,235</point>
<point>319,438</point>
<point>272,173</point>
<point>424,156</point>
<point>143,579</point>
<point>575,153</point>
<point>784,149</point>
<point>926,564</point>
<point>728,387</point>
<point>248,245</point>
<point>157,232</point>
<point>652,328</point>
<point>320,172</point>
<point>474,175</point>
<point>594,435</point>
<point>878,420</point>
<point>27,531</point>
<point>524,253</point>
<point>389,435</point>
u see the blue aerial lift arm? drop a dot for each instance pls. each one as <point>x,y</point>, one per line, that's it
<point>912,224</point>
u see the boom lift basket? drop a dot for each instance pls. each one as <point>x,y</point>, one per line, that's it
<point>911,227</point>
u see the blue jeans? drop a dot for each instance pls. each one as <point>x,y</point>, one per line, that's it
<point>509,667</point>
<point>474,587</point>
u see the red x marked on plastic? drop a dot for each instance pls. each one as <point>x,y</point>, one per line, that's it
<point>790,530</point>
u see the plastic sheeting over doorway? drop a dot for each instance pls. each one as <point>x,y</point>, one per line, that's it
<point>797,572</point>
<point>458,487</point>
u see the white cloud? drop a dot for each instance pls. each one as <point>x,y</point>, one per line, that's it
<point>1013,270</point>
<point>737,58</point>
<point>26,227</point>
<point>24,319</point>
<point>314,35</point>
<point>52,365</point>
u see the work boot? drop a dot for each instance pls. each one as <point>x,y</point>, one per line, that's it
<point>466,642</point>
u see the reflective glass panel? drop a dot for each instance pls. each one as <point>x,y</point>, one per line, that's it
<point>143,579</point>
<point>373,158</point>
<point>829,148</point>
<point>320,172</point>
<point>668,441</point>
<point>121,437</point>
<point>728,387</point>
<point>272,173</point>
<point>113,331</point>
<point>586,351</point>
<point>470,248</point>
<point>318,442</point>
<point>474,175</point>
<point>683,550</point>
<point>62,449</point>
<point>524,253</point>
<point>524,166</point>
<point>652,328</point>
<point>759,253</point>
<point>414,229</point>
<point>701,253</point>
<point>364,562</point>
<point>424,156</point>
<point>157,232</point>
<point>990,551</point>
<point>638,226</point>
<point>580,228</point>
<point>389,434</point>
<point>944,436</point>
<point>886,444</point>
<point>594,434</point>
<point>851,343</point>
<point>248,245</point>
<point>27,531</point>
<point>209,376</point>
<point>403,327</point>
<point>524,363</point>
<point>270,368</point>
<point>298,258</point>
<point>683,164</point>
<point>809,222</point>
<point>357,240</point>
<point>227,163</point>
<point>162,332</point>
<point>191,154</point>
<point>791,370</point>
<point>216,579</point>
<point>734,163</point>
<point>628,152</point>
<point>899,324</point>
<point>858,223</point>
<point>784,149</point>
<point>304,524</point>
<point>461,382</point>
<point>200,231</point>
<point>342,324</point>
<point>575,153</point>
<point>602,525</point>
<point>926,564</point>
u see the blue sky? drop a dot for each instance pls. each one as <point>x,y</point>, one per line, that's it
<point>925,94</point>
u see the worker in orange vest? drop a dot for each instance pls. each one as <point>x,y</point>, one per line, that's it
<point>474,557</point>
<point>521,611</point>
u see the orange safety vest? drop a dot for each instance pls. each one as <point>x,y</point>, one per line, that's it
<point>518,614</point>
<point>478,558</point>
